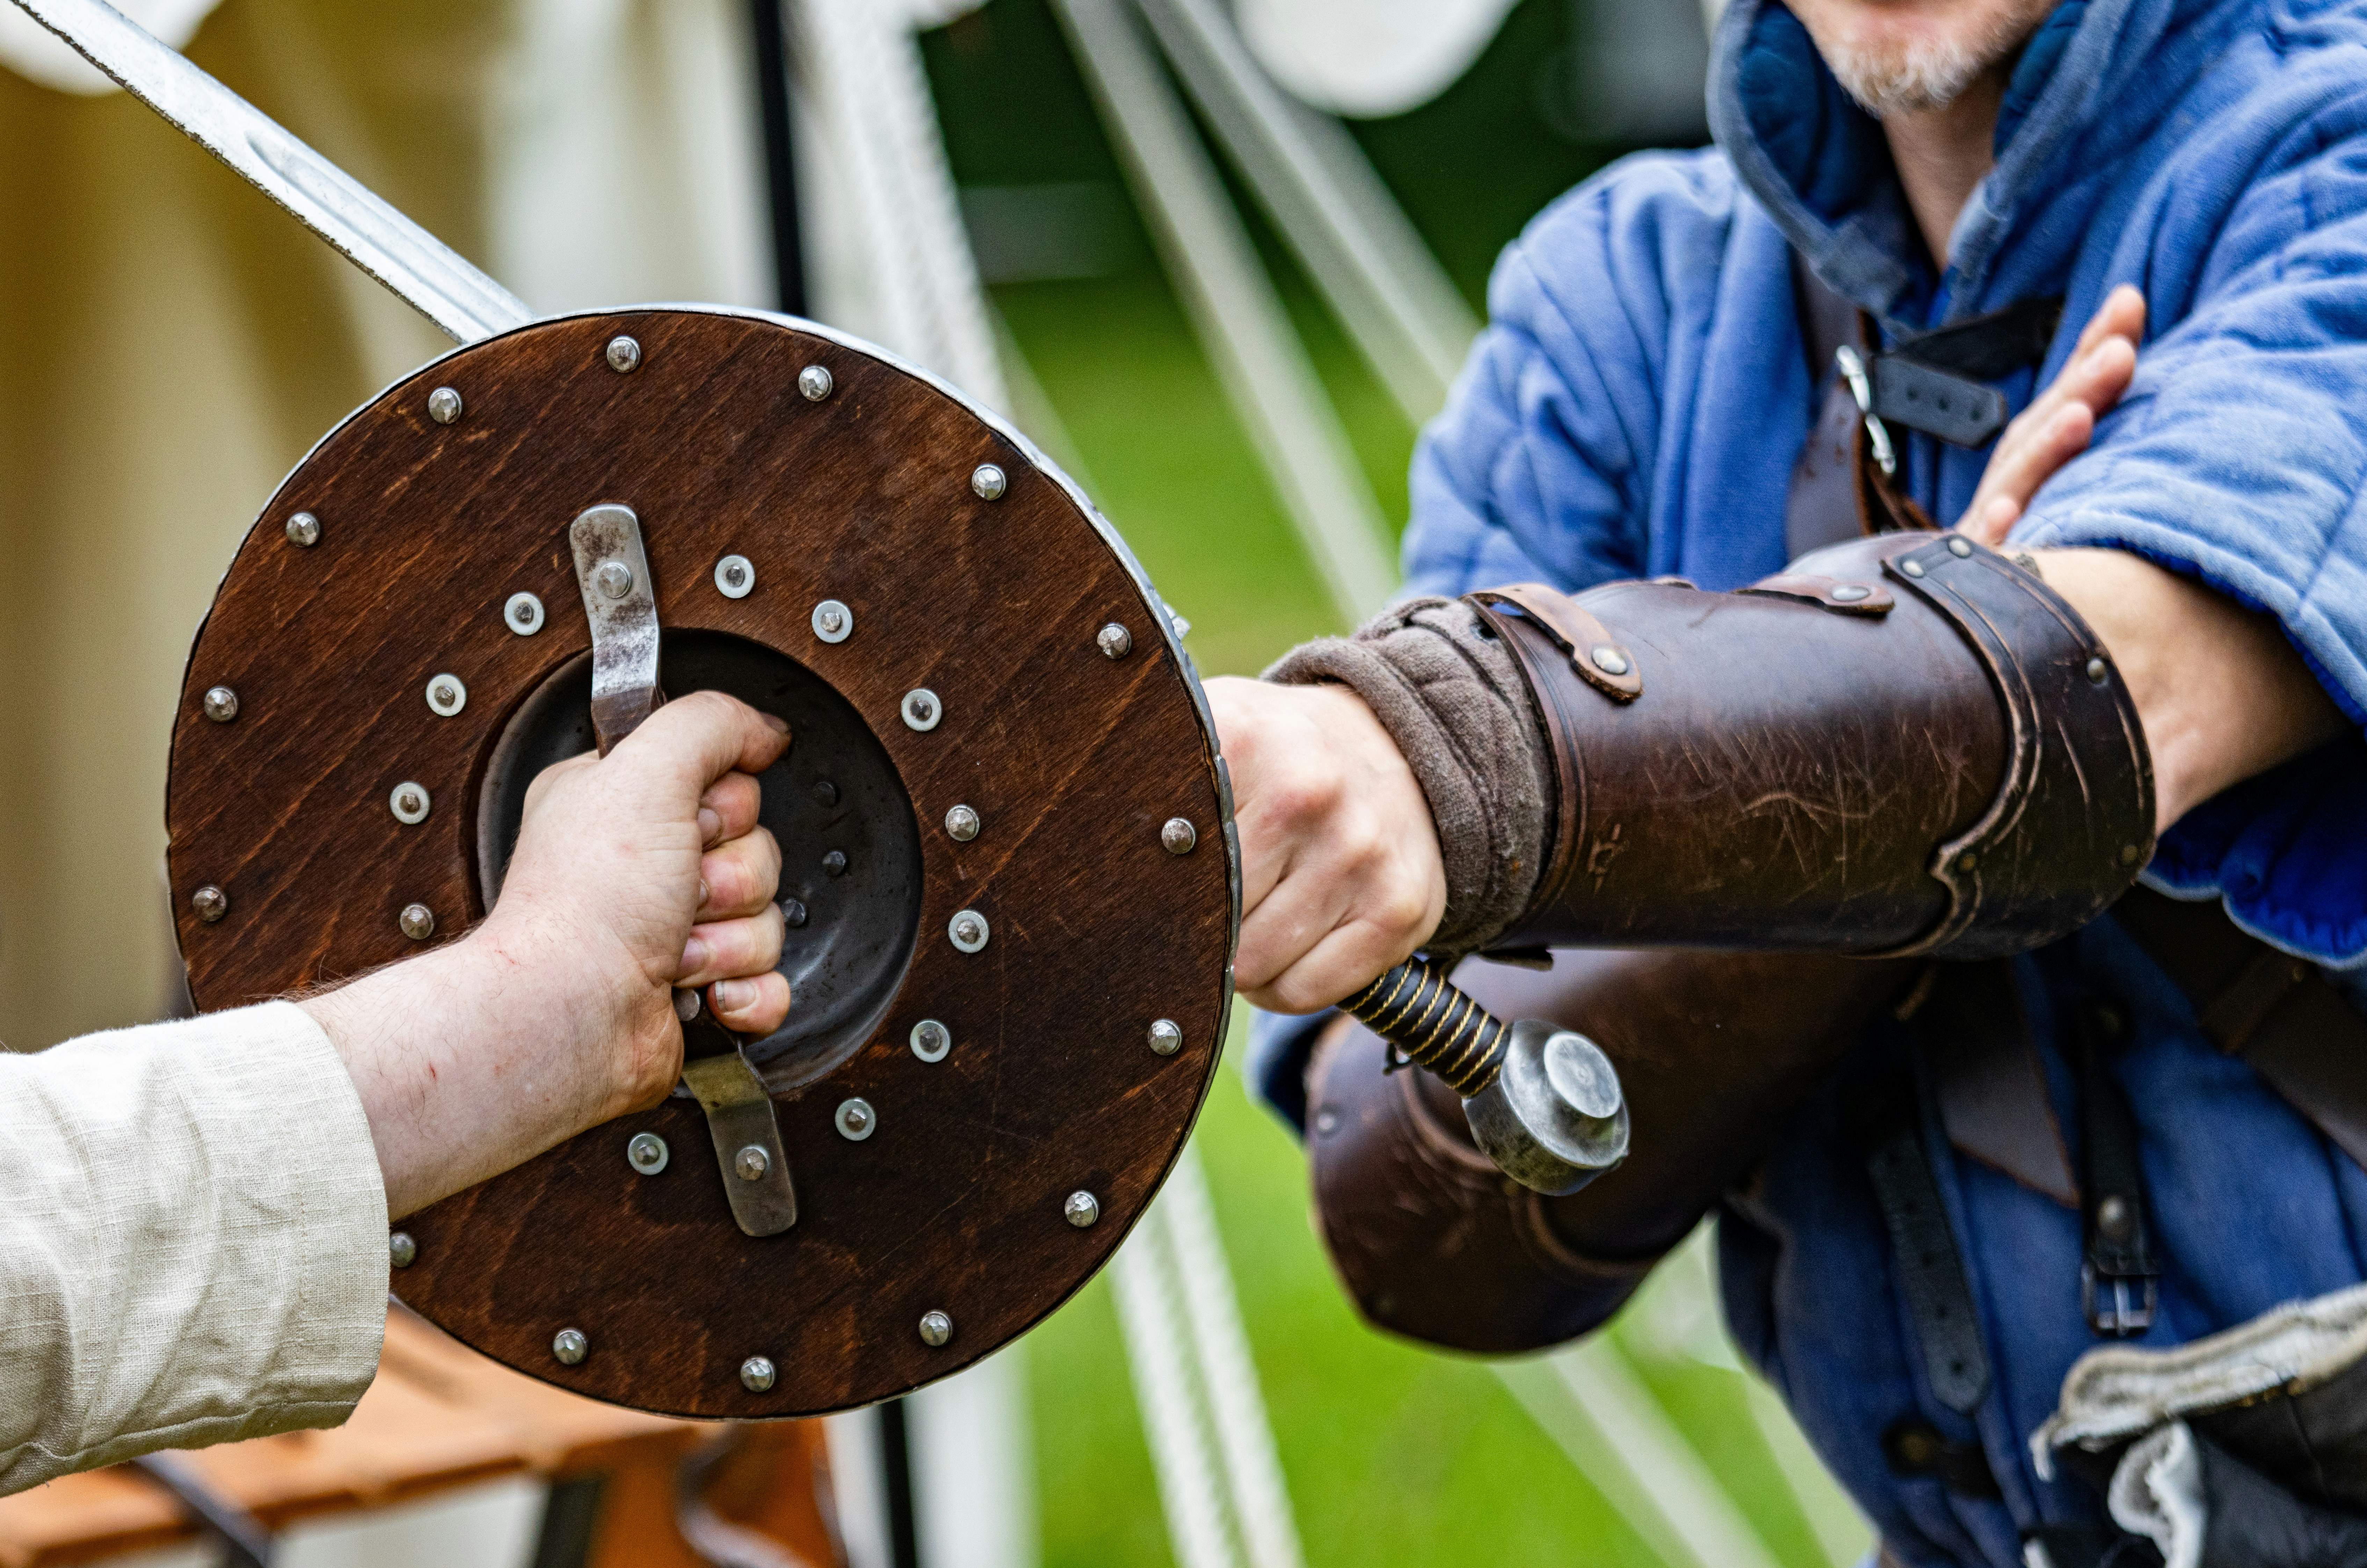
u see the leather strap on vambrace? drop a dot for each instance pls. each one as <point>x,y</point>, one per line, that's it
<point>1903,745</point>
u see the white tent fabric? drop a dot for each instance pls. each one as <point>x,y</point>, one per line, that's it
<point>1369,58</point>
<point>33,52</point>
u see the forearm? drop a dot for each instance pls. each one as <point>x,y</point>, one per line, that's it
<point>2222,691</point>
<point>476,1056</point>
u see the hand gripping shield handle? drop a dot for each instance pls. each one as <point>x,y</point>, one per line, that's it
<point>1544,1102</point>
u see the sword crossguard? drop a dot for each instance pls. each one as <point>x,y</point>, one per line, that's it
<point>1542,1102</point>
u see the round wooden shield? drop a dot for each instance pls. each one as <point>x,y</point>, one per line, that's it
<point>1025,1097</point>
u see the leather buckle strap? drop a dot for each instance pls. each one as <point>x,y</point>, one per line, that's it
<point>2120,1285</point>
<point>1923,1246</point>
<point>1601,660</point>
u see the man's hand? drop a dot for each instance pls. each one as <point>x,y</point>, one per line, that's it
<point>2060,420</point>
<point>1340,874</point>
<point>633,874</point>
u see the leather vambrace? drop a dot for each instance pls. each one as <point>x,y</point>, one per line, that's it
<point>1433,1242</point>
<point>1903,745</point>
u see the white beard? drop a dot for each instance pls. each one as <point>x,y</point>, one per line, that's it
<point>1929,73</point>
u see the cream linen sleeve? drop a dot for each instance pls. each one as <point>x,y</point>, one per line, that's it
<point>192,1241</point>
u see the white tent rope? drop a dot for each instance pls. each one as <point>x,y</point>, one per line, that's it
<point>1240,322</point>
<point>1155,1354</point>
<point>1245,1437</point>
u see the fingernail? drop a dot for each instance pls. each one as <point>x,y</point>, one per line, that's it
<point>709,824</point>
<point>694,955</point>
<point>780,726</point>
<point>732,995</point>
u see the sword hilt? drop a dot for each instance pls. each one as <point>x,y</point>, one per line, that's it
<point>1544,1102</point>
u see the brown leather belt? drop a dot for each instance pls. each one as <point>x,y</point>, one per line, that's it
<point>2277,1012</point>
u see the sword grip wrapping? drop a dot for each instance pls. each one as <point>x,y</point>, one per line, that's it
<point>1417,1009</point>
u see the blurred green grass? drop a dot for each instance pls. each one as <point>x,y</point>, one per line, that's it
<point>1393,1455</point>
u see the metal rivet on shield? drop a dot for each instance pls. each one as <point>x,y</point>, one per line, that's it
<point>1912,568</point>
<point>792,912</point>
<point>832,622</point>
<point>1114,640</point>
<point>834,863</point>
<point>401,1250</point>
<point>624,355</point>
<point>570,1346</point>
<point>417,921</point>
<point>444,405</point>
<point>962,824</point>
<point>221,704</point>
<point>523,614</point>
<point>446,696</point>
<point>988,482</point>
<point>967,929</point>
<point>1178,836</point>
<point>734,576</point>
<point>210,903</point>
<point>613,578</point>
<point>1166,1037</point>
<point>936,1327</point>
<point>1082,1209</point>
<point>814,382</point>
<point>304,529</point>
<point>751,1163</point>
<point>854,1119</point>
<point>922,710</point>
<point>410,803</point>
<point>647,1153</point>
<point>1960,548</point>
<point>931,1040</point>
<point>756,1374</point>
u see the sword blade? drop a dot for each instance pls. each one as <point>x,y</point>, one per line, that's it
<point>424,272</point>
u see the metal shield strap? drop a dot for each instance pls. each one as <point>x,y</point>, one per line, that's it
<point>612,568</point>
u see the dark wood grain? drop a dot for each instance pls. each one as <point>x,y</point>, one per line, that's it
<point>1074,761</point>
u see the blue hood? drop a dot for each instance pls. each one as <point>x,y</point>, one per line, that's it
<point>2091,86</point>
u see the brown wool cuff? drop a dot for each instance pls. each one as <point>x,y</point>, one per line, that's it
<point>1453,698</point>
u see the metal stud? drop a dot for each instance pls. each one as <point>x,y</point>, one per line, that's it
<point>686,1003</point>
<point>921,708</point>
<point>825,793</point>
<point>931,1040</point>
<point>446,696</point>
<point>2129,854</point>
<point>444,405</point>
<point>417,921</point>
<point>523,614</point>
<point>854,1119</point>
<point>410,803</point>
<point>734,577</point>
<point>647,1153</point>
<point>1166,1037</point>
<point>1850,593</point>
<point>936,1327</point>
<point>1968,862</point>
<point>1178,836</point>
<point>815,383</point>
<point>304,530</point>
<point>614,579</point>
<point>1608,659</point>
<point>756,1374</point>
<point>1912,568</point>
<point>210,903</point>
<point>2097,669</point>
<point>401,1250</point>
<point>624,355</point>
<point>1960,548</point>
<point>962,824</point>
<point>832,622</point>
<point>987,481</point>
<point>221,704</point>
<point>834,863</point>
<point>1114,640</point>
<point>968,931</point>
<point>751,1163</point>
<point>570,1346</point>
<point>1082,1209</point>
<point>793,913</point>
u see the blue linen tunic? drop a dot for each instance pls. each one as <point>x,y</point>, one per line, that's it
<point>1634,409</point>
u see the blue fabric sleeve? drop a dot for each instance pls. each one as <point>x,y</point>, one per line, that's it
<point>2237,457</point>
